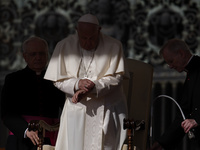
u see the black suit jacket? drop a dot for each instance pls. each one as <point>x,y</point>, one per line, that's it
<point>25,93</point>
<point>190,104</point>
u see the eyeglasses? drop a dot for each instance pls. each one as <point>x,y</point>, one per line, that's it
<point>33,54</point>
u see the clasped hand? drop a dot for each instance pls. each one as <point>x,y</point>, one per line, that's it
<point>85,86</point>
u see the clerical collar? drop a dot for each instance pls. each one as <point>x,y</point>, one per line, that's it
<point>189,60</point>
<point>186,70</point>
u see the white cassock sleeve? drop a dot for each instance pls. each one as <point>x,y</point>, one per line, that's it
<point>102,86</point>
<point>106,85</point>
<point>67,86</point>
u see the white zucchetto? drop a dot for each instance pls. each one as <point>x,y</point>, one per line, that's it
<point>89,18</point>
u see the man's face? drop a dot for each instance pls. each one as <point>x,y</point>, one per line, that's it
<point>88,34</point>
<point>175,60</point>
<point>36,55</point>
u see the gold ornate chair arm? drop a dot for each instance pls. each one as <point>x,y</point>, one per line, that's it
<point>41,126</point>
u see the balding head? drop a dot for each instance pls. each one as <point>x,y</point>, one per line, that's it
<point>35,53</point>
<point>176,54</point>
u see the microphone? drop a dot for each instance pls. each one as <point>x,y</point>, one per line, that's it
<point>190,133</point>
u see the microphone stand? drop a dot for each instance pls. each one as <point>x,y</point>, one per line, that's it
<point>190,133</point>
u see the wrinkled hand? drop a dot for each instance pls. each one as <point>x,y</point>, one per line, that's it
<point>188,124</point>
<point>156,146</point>
<point>33,136</point>
<point>78,96</point>
<point>85,84</point>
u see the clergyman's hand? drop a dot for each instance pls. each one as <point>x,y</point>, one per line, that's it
<point>188,124</point>
<point>156,146</point>
<point>33,136</point>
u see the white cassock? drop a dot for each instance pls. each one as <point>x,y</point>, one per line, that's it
<point>96,122</point>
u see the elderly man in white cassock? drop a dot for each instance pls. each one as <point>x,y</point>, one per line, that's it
<point>89,67</point>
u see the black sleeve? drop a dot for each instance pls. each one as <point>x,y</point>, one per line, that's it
<point>13,121</point>
<point>173,135</point>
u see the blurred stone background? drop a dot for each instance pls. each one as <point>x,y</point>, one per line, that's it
<point>143,26</point>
